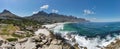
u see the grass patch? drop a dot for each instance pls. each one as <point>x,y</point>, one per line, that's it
<point>12,39</point>
<point>19,36</point>
<point>4,34</point>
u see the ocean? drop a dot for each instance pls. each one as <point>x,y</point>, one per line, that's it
<point>91,34</point>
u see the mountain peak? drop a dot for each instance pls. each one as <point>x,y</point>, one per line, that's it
<point>6,11</point>
<point>42,12</point>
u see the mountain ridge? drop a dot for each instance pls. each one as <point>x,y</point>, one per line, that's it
<point>43,17</point>
<point>7,13</point>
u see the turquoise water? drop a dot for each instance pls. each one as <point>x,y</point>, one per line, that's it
<point>93,29</point>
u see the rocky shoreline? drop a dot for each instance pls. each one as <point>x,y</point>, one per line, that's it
<point>46,39</point>
<point>40,41</point>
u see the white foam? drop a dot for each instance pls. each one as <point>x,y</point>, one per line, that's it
<point>95,43</point>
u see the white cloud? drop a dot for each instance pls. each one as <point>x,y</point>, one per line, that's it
<point>54,11</point>
<point>35,12</point>
<point>44,7</point>
<point>88,12</point>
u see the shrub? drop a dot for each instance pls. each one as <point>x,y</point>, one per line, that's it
<point>12,39</point>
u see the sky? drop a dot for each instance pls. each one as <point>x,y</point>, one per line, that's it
<point>93,10</point>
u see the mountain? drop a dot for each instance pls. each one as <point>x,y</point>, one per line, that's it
<point>36,20</point>
<point>42,16</point>
<point>8,15</point>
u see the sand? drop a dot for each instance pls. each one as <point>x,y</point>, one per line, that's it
<point>51,26</point>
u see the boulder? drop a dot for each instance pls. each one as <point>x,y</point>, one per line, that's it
<point>59,41</point>
<point>22,40</point>
<point>113,45</point>
<point>66,46</point>
<point>56,42</point>
<point>43,37</point>
<point>43,31</point>
<point>36,39</point>
<point>55,47</point>
<point>1,41</point>
<point>76,46</point>
<point>73,39</point>
<point>44,41</point>
<point>41,43</point>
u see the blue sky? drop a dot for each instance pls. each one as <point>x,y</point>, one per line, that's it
<point>94,10</point>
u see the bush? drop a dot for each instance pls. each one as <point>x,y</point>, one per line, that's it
<point>18,36</point>
<point>12,39</point>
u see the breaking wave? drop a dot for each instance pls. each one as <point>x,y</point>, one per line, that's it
<point>91,35</point>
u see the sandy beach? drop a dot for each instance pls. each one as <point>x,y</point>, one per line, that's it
<point>47,28</point>
<point>51,26</point>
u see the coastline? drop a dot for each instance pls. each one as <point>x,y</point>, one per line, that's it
<point>107,44</point>
<point>51,26</point>
<point>44,33</point>
<point>44,39</point>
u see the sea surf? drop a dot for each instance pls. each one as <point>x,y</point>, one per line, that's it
<point>93,35</point>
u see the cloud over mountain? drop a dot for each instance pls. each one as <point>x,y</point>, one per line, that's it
<point>54,11</point>
<point>44,7</point>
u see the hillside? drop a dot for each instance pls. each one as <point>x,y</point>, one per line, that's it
<point>44,17</point>
<point>39,18</point>
<point>6,17</point>
<point>27,25</point>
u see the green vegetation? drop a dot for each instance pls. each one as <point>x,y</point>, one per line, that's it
<point>17,36</point>
<point>12,39</point>
<point>21,23</point>
<point>4,34</point>
<point>22,36</point>
<point>8,29</point>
